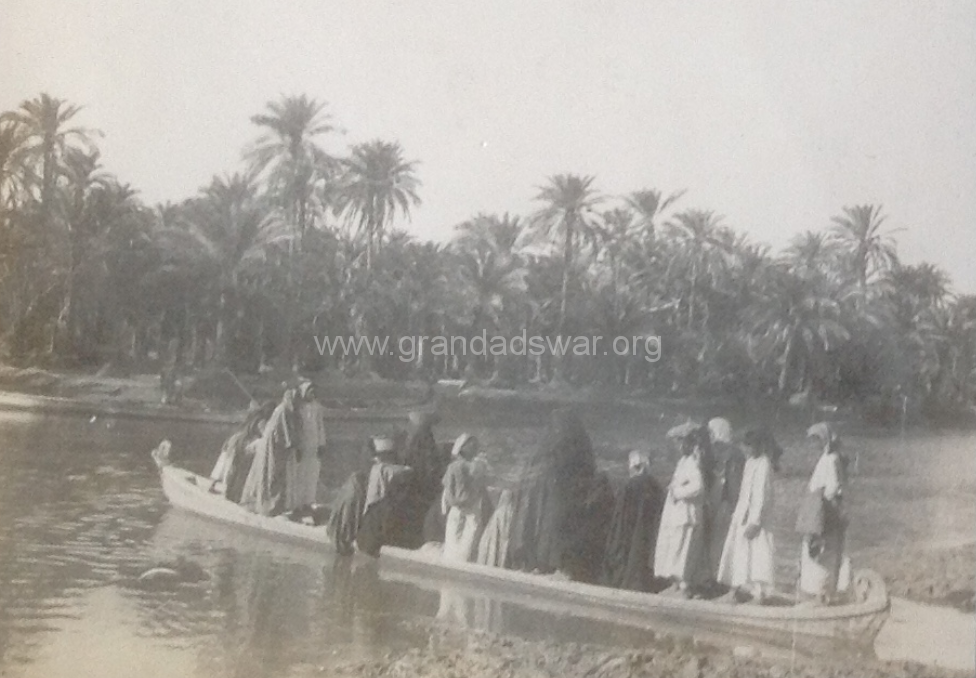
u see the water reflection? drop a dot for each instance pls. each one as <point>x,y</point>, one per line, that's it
<point>269,607</point>
<point>460,611</point>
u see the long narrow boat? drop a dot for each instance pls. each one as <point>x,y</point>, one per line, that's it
<point>856,623</point>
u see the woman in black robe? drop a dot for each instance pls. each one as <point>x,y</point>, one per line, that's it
<point>628,560</point>
<point>420,451</point>
<point>582,560</point>
<point>391,516</point>
<point>549,501</point>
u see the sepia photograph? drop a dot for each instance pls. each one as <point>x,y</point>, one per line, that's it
<point>455,339</point>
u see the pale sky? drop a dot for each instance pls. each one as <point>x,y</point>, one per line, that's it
<point>774,114</point>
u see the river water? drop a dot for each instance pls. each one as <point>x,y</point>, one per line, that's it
<point>82,516</point>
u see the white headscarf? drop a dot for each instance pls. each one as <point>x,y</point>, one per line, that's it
<point>720,430</point>
<point>384,444</point>
<point>638,461</point>
<point>459,444</point>
<point>827,434</point>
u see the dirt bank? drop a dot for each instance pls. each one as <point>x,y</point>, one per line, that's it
<point>942,576</point>
<point>218,391</point>
<point>451,654</point>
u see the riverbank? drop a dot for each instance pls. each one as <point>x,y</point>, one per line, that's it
<point>452,653</point>
<point>220,396</point>
<point>217,398</point>
<point>940,575</point>
<point>929,574</point>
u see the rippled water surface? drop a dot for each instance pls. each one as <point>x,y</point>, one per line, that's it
<point>82,516</point>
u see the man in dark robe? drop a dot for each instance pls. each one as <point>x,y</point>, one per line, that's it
<point>548,499</point>
<point>628,560</point>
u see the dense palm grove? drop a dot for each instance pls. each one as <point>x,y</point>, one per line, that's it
<point>300,243</point>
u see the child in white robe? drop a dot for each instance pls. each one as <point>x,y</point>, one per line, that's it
<point>747,565</point>
<point>678,551</point>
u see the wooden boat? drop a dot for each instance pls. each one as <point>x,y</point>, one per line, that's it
<point>856,623</point>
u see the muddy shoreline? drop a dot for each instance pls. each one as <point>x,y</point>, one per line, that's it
<point>450,653</point>
<point>221,397</point>
<point>939,576</point>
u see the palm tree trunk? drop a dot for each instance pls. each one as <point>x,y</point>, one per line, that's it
<point>560,365</point>
<point>47,185</point>
<point>220,333</point>
<point>784,372</point>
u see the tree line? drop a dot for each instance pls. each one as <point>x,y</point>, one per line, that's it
<point>299,243</point>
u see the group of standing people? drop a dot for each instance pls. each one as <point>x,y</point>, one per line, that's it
<point>398,500</point>
<point>716,526</point>
<point>271,466</point>
<point>707,531</point>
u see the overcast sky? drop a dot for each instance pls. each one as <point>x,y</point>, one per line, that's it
<point>773,114</point>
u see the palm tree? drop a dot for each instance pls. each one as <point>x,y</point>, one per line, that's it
<point>13,186</point>
<point>13,164</point>
<point>616,233</point>
<point>113,258</point>
<point>946,337</point>
<point>83,177</point>
<point>796,324</point>
<point>220,239</point>
<point>705,255</point>
<point>376,182</point>
<point>858,234</point>
<point>48,140</point>
<point>919,287</point>
<point>568,218</point>
<point>291,155</point>
<point>649,205</point>
<point>491,270</point>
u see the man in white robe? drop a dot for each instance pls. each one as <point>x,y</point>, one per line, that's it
<point>463,498</point>
<point>822,555</point>
<point>747,565</point>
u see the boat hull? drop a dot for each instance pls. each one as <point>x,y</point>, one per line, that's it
<point>857,623</point>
